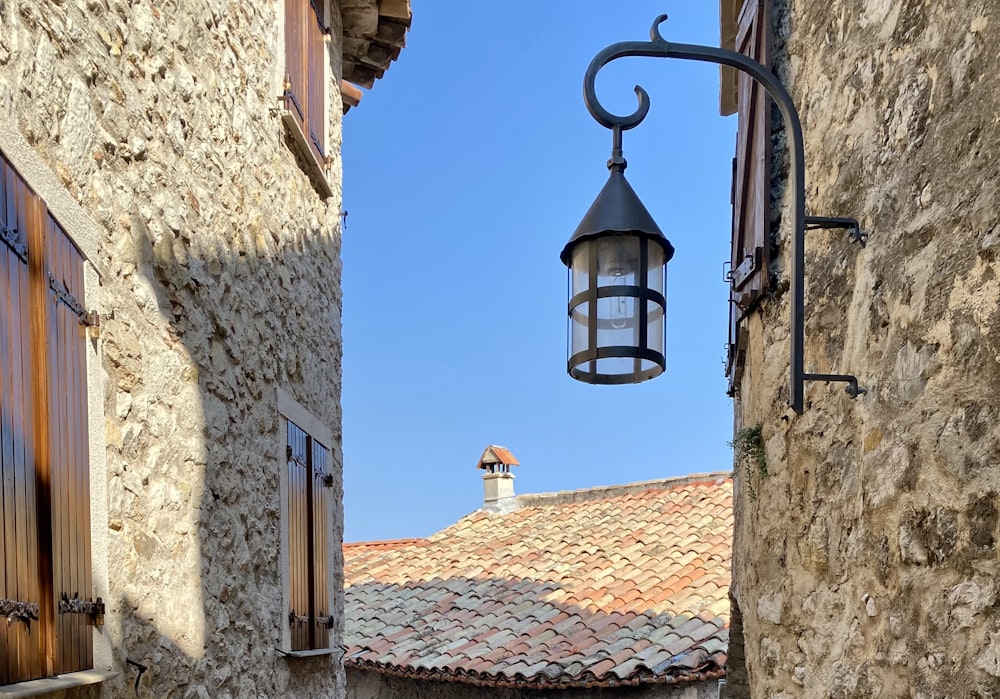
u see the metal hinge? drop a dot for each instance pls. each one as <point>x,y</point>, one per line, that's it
<point>22,611</point>
<point>91,319</point>
<point>75,605</point>
<point>11,237</point>
<point>292,457</point>
<point>303,619</point>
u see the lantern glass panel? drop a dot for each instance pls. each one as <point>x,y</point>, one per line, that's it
<point>655,313</point>
<point>579,281</point>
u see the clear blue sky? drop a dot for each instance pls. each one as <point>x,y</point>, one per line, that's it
<point>466,169</point>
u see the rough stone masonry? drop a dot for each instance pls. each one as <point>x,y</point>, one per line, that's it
<point>866,557</point>
<point>220,283</point>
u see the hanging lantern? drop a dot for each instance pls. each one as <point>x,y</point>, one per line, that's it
<point>617,261</point>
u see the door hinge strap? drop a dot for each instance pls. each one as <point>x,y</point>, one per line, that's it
<point>75,605</point>
<point>63,295</point>
<point>301,620</point>
<point>13,240</point>
<point>23,611</point>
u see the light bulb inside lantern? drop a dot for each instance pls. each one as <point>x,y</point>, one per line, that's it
<point>619,304</point>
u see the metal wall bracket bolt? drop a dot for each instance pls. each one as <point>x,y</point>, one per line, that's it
<point>854,232</point>
<point>852,389</point>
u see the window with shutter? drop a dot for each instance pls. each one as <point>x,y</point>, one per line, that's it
<point>308,523</point>
<point>46,580</point>
<point>751,188</point>
<point>306,61</point>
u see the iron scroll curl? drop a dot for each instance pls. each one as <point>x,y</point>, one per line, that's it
<point>656,46</point>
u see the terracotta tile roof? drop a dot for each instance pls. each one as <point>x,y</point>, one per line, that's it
<point>603,587</point>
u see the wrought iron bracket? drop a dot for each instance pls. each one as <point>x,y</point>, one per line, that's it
<point>658,47</point>
<point>854,232</point>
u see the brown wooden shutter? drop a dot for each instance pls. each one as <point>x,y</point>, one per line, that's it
<point>315,36</point>
<point>296,56</point>
<point>751,188</point>
<point>305,68</point>
<point>308,500</point>
<point>320,498</point>
<point>298,537</point>
<point>68,457</point>
<point>21,640</point>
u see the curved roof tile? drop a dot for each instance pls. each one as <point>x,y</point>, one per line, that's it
<point>603,587</point>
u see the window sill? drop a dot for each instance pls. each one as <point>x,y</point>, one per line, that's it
<point>58,683</point>
<point>312,166</point>
<point>310,653</point>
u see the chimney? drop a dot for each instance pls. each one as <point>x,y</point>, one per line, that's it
<point>498,481</point>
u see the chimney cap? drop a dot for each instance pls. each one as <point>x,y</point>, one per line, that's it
<point>496,458</point>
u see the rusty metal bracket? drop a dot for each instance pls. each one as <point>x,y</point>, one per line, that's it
<point>326,621</point>
<point>14,610</point>
<point>12,238</point>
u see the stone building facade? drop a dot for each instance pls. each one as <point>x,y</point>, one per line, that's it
<point>865,547</point>
<point>160,140</point>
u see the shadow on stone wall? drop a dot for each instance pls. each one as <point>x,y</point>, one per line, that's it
<point>194,450</point>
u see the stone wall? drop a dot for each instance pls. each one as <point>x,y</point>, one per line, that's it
<point>373,685</point>
<point>866,554</point>
<point>220,283</point>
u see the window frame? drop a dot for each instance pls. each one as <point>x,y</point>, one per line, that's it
<point>291,411</point>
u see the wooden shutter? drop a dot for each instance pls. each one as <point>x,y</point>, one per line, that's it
<point>320,589</point>
<point>751,190</point>
<point>296,56</point>
<point>43,441</point>
<point>305,70</point>
<point>21,640</point>
<point>308,500</point>
<point>68,457</point>
<point>298,537</point>
<point>315,34</point>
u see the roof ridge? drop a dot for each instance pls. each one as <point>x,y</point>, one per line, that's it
<point>603,491</point>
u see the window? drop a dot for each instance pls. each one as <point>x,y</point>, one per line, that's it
<point>46,586</point>
<point>751,191</point>
<point>305,79</point>
<point>308,529</point>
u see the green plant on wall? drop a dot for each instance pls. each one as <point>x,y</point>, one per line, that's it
<point>749,455</point>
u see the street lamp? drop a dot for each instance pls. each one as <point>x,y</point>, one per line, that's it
<point>617,256</point>
<point>617,259</point>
